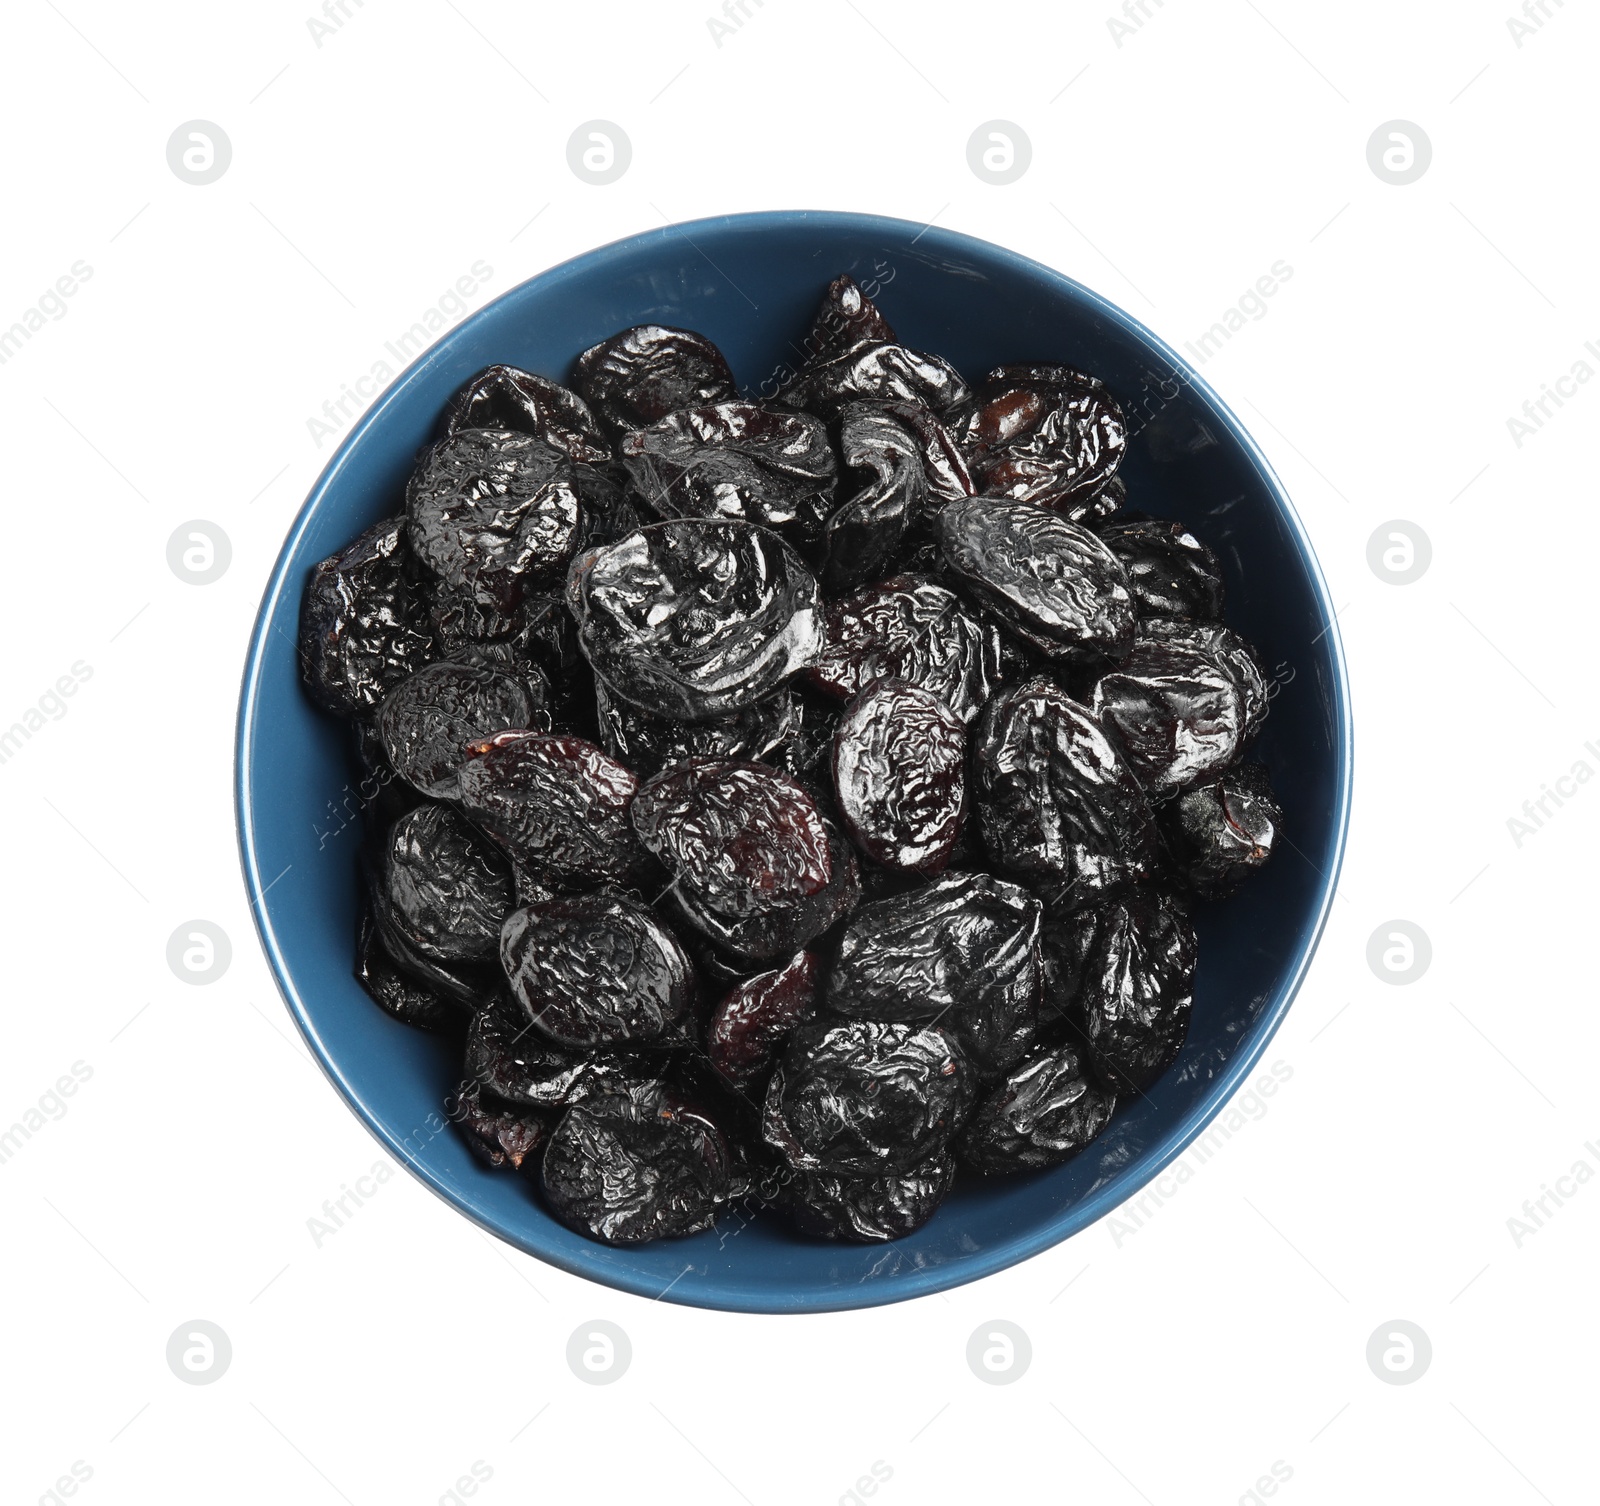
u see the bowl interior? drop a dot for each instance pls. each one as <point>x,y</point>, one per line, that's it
<point>750,283</point>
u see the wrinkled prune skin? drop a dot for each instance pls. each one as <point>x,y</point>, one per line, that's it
<point>494,515</point>
<point>876,369</point>
<point>557,804</point>
<point>1170,572</point>
<point>694,618</point>
<point>1053,796</point>
<point>963,951</point>
<point>514,1065</point>
<point>504,397</point>
<point>864,531</point>
<point>443,887</point>
<point>899,775</point>
<point>741,838</point>
<point>649,371</point>
<point>760,938</point>
<point>909,628</point>
<point>1229,650</point>
<point>599,970</point>
<point>944,467</point>
<point>865,1210</point>
<point>1045,1111</point>
<point>1224,830</point>
<point>1052,582</point>
<point>1045,434</point>
<point>381,795</point>
<point>427,721</point>
<point>395,993</point>
<point>648,743</point>
<point>1174,712</point>
<point>362,628</point>
<point>733,460</point>
<point>1138,989</point>
<point>636,1165</point>
<point>499,1135</point>
<point>866,1098</point>
<point>752,1020</point>
<point>845,319</point>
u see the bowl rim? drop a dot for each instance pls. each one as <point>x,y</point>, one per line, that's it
<point>1062,1224</point>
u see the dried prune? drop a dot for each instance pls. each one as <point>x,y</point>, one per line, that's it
<point>866,1210</point>
<point>875,369</point>
<point>410,1002</point>
<point>1053,796</point>
<point>866,1097</point>
<point>693,618</point>
<point>1170,572</point>
<point>1045,434</point>
<point>899,772</point>
<point>755,1017</point>
<point>733,460</point>
<point>362,628</point>
<point>648,743</point>
<point>1052,582</point>
<point>963,951</point>
<point>497,1134</point>
<point>845,318</point>
<point>599,970</point>
<point>1044,1112</point>
<point>1223,831</point>
<point>504,397</point>
<point>1229,650</point>
<point>557,804</point>
<point>649,371</point>
<point>515,1065</point>
<point>427,722</point>
<point>442,886</point>
<point>909,628</point>
<point>944,468</point>
<point>865,530</point>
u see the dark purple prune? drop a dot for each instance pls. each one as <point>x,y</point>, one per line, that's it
<point>944,468</point>
<point>899,772</point>
<point>362,627</point>
<point>381,795</point>
<point>733,460</point>
<point>877,369</point>
<point>740,838</point>
<point>963,951</point>
<point>599,970</point>
<point>866,1098</point>
<point>1045,434</point>
<point>1045,1112</point>
<point>649,371</point>
<point>807,748</point>
<point>427,722</point>
<point>497,1134</point>
<point>1223,831</point>
<point>909,628</point>
<point>1053,796</point>
<point>866,1210</point>
<point>1170,572</point>
<point>607,508</point>
<point>1051,582</point>
<point>516,1066</point>
<point>649,743</point>
<point>845,319</point>
<point>495,516</point>
<point>865,530</point>
<point>464,984</point>
<point>694,618</point>
<point>636,1165</point>
<point>503,397</point>
<point>1229,650</point>
<point>442,886</point>
<point>557,804</point>
<point>752,1020</point>
<point>1174,712</point>
<point>395,993</point>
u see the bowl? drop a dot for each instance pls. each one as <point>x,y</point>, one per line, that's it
<point>751,282</point>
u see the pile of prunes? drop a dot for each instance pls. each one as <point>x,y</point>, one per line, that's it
<point>786,803</point>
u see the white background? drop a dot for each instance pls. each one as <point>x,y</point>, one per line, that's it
<point>1174,1364</point>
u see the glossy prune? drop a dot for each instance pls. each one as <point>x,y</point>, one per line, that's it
<point>557,804</point>
<point>1223,831</point>
<point>1052,582</point>
<point>845,319</point>
<point>755,1017</point>
<point>962,951</point>
<point>644,373</point>
<point>515,1065</point>
<point>393,991</point>
<point>944,468</point>
<point>909,628</point>
<point>499,1135</point>
<point>504,397</point>
<point>649,743</point>
<point>1229,650</point>
<point>1045,434</point>
<point>1044,1112</point>
<point>693,618</point>
<point>875,369</point>
<point>865,530</point>
<point>866,1098</point>
<point>899,773</point>
<point>1170,572</point>
<point>363,628</point>
<point>1053,796</point>
<point>733,460</point>
<point>443,886</point>
<point>427,721</point>
<point>865,1210</point>
<point>599,970</point>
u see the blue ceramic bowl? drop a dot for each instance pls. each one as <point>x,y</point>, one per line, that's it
<point>751,282</point>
